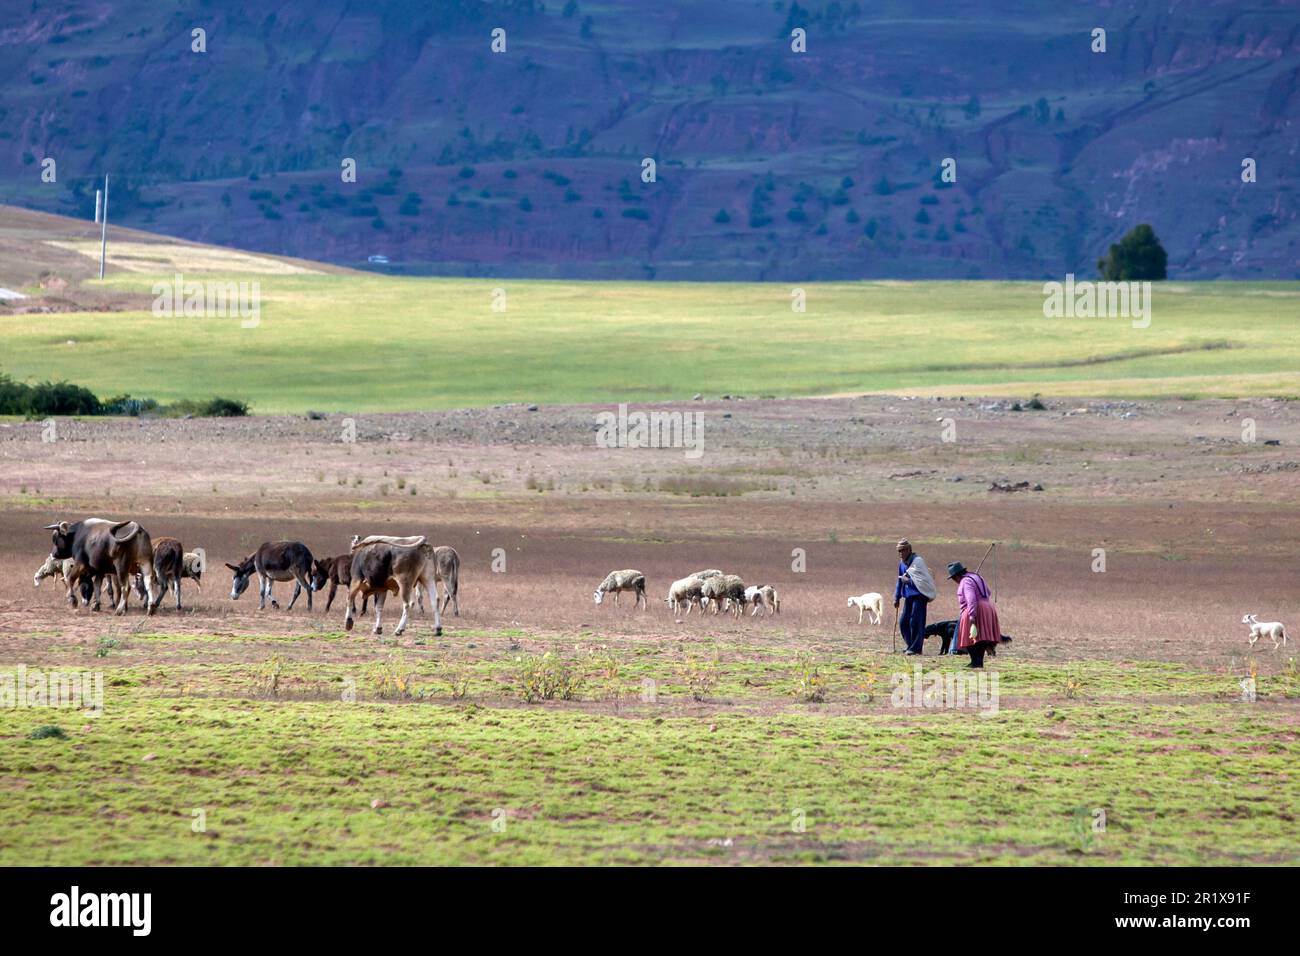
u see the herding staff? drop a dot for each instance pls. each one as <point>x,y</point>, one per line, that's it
<point>995,567</point>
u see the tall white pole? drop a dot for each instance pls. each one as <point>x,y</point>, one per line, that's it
<point>103,235</point>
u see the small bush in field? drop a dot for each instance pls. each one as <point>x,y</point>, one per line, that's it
<point>867,685</point>
<point>272,672</point>
<point>548,677</point>
<point>391,680</point>
<point>810,685</point>
<point>700,677</point>
<point>458,685</point>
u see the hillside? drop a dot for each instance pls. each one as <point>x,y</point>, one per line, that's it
<point>771,165</point>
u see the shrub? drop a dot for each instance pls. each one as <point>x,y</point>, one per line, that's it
<point>548,677</point>
<point>392,680</point>
<point>700,677</point>
<point>209,408</point>
<point>810,685</point>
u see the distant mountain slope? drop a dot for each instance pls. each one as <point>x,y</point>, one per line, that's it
<point>771,164</point>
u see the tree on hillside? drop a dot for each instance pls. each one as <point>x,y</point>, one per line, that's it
<point>1137,257</point>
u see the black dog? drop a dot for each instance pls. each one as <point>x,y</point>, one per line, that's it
<point>946,631</point>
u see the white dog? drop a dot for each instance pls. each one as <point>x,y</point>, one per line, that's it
<point>871,601</point>
<point>1258,629</point>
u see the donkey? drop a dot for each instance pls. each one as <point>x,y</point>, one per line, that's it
<point>334,571</point>
<point>383,564</point>
<point>446,570</point>
<point>169,567</point>
<point>274,561</point>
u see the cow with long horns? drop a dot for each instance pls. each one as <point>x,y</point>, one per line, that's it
<point>101,548</point>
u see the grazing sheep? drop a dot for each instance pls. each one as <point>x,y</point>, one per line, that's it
<point>192,568</point>
<point>871,601</point>
<point>726,592</point>
<point>685,592</point>
<point>617,581</point>
<point>762,596</point>
<point>55,568</point>
<point>1258,629</point>
<point>61,570</point>
<point>709,573</point>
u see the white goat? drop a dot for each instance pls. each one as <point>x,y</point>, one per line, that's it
<point>763,596</point>
<point>1258,629</point>
<point>617,581</point>
<point>871,601</point>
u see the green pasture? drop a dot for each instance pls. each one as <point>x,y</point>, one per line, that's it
<point>372,343</point>
<point>266,750</point>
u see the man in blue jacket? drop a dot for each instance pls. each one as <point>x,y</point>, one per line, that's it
<point>915,589</point>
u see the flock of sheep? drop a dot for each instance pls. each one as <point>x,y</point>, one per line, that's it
<point>710,589</point>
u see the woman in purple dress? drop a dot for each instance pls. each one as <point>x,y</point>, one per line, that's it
<point>978,630</point>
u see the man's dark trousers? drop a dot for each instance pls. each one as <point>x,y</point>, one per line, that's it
<point>911,623</point>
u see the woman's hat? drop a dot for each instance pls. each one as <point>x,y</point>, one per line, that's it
<point>955,569</point>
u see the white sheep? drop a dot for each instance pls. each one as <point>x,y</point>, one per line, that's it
<point>871,601</point>
<point>617,581</point>
<point>192,567</point>
<point>1258,629</point>
<point>59,569</point>
<point>726,592</point>
<point>763,596</point>
<point>686,592</point>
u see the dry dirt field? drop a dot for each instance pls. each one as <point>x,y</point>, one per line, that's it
<point>1198,527</point>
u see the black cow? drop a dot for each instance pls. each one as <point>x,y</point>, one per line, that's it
<point>106,548</point>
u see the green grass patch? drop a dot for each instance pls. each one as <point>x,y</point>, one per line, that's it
<point>486,753</point>
<point>368,343</point>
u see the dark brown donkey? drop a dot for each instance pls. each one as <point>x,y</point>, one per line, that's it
<point>334,572</point>
<point>169,567</point>
<point>274,561</point>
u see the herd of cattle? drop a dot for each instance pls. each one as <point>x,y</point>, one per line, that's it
<point>93,552</point>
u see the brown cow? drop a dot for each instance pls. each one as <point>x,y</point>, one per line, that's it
<point>382,564</point>
<point>446,570</point>
<point>101,548</point>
